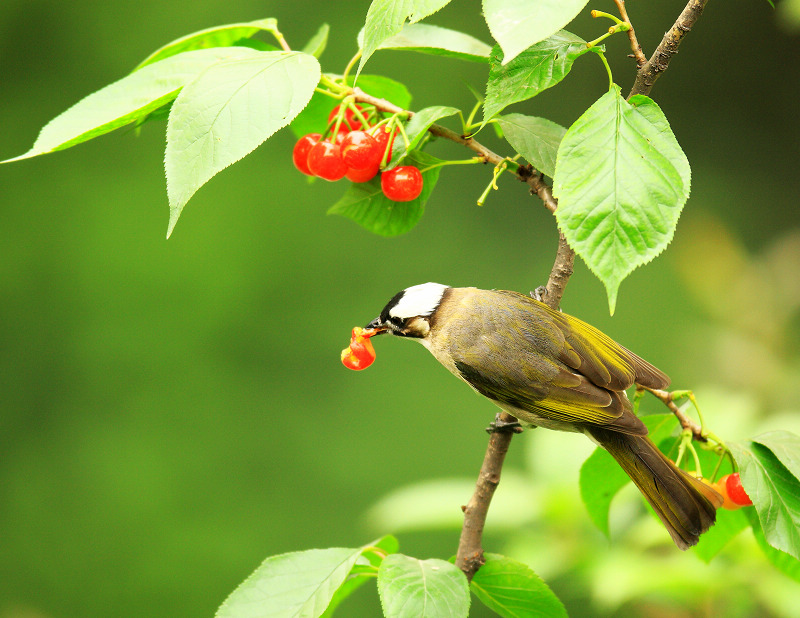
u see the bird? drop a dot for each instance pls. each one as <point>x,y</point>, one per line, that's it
<point>549,369</point>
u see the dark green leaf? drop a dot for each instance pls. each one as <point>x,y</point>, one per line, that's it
<point>316,45</point>
<point>127,100</point>
<point>411,588</point>
<point>417,127</point>
<point>775,493</point>
<point>436,41</point>
<point>219,36</point>
<point>229,110</point>
<point>314,118</point>
<point>291,585</point>
<point>518,24</point>
<point>621,181</point>
<point>728,525</point>
<point>366,204</point>
<point>385,19</point>
<point>512,590</point>
<point>785,563</point>
<point>536,139</point>
<point>536,69</point>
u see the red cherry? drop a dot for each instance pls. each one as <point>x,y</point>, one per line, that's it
<point>300,152</point>
<point>362,175</point>
<point>341,134</point>
<point>360,151</point>
<point>733,483</point>
<point>385,141</point>
<point>360,354</point>
<point>402,184</point>
<point>349,121</point>
<point>325,161</point>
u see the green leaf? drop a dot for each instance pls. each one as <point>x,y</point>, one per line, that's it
<point>317,43</point>
<point>536,139</point>
<point>366,204</point>
<point>422,588</point>
<point>298,584</point>
<point>436,41</point>
<point>362,571</point>
<point>229,110</point>
<point>512,590</point>
<point>728,525</point>
<point>416,128</point>
<point>384,88</point>
<point>127,100</point>
<point>601,477</point>
<point>518,24</point>
<point>782,561</point>
<point>314,118</point>
<point>218,36</point>
<point>775,493</point>
<point>538,68</point>
<point>621,182</point>
<point>785,446</point>
<point>385,18</point>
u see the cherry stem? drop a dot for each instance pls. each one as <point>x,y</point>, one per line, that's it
<point>350,66</point>
<point>471,161</point>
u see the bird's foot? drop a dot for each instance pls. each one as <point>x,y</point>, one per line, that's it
<point>498,425</point>
<point>539,293</point>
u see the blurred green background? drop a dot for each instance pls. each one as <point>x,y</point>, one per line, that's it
<point>172,412</point>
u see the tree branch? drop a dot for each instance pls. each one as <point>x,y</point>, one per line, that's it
<point>524,173</point>
<point>641,59</point>
<point>685,421</point>
<point>659,61</point>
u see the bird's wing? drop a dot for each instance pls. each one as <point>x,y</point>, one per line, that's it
<point>538,379</point>
<point>594,354</point>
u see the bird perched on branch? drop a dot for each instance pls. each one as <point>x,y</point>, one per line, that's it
<point>552,370</point>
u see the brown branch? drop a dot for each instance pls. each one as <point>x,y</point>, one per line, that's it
<point>667,399</point>
<point>659,61</point>
<point>641,59</point>
<point>560,273</point>
<point>470,552</point>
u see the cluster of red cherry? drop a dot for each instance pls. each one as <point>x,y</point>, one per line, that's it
<point>356,152</point>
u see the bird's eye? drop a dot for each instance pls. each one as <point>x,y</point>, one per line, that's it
<point>398,322</point>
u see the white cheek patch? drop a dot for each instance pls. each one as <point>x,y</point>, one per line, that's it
<point>418,300</point>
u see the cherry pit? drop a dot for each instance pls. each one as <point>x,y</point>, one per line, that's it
<point>357,151</point>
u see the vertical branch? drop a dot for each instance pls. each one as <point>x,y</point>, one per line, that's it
<point>659,61</point>
<point>641,59</point>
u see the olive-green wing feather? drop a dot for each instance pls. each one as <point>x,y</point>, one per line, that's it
<point>538,380</point>
<point>595,355</point>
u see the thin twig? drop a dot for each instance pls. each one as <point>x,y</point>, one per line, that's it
<point>659,61</point>
<point>641,59</point>
<point>685,421</point>
<point>524,173</point>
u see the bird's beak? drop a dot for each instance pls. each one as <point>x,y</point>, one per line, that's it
<point>377,326</point>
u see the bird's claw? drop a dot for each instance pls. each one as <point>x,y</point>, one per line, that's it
<point>498,425</point>
<point>539,293</point>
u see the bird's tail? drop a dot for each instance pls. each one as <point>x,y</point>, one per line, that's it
<point>685,505</point>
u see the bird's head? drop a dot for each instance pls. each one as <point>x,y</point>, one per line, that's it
<point>410,312</point>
